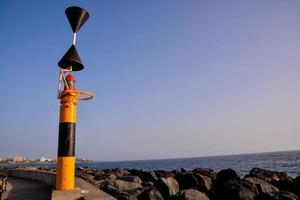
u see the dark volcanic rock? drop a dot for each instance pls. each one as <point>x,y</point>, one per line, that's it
<point>225,175</point>
<point>167,187</point>
<point>206,172</point>
<point>110,174</point>
<point>85,176</point>
<point>265,175</point>
<point>279,179</point>
<point>146,176</point>
<point>125,196</point>
<point>190,194</point>
<point>84,171</point>
<point>100,175</point>
<point>119,172</point>
<point>120,188</point>
<point>206,184</point>
<point>190,180</point>
<point>98,183</point>
<point>91,172</point>
<point>284,195</point>
<point>134,179</point>
<point>133,184</point>
<point>297,186</point>
<point>150,194</point>
<point>187,180</point>
<point>182,170</point>
<point>237,190</point>
<point>164,173</point>
<point>148,184</point>
<point>266,191</point>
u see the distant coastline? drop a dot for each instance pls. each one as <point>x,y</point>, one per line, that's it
<point>287,161</point>
<point>23,160</point>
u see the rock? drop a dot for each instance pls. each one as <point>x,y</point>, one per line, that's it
<point>225,175</point>
<point>126,196</point>
<point>297,186</point>
<point>111,177</point>
<point>190,194</point>
<point>190,180</point>
<point>167,187</point>
<point>285,195</point>
<point>187,180</point>
<point>85,176</point>
<point>174,171</point>
<point>83,169</point>
<point>134,179</point>
<point>265,190</point>
<point>98,182</point>
<point>79,168</point>
<point>279,179</point>
<point>119,187</point>
<point>86,170</point>
<point>206,172</point>
<point>106,171</point>
<point>99,175</point>
<point>146,176</point>
<point>91,172</point>
<point>109,174</point>
<point>212,193</point>
<point>148,184</point>
<point>150,194</point>
<point>119,172</point>
<point>237,190</point>
<point>182,170</point>
<point>164,173</point>
<point>206,183</point>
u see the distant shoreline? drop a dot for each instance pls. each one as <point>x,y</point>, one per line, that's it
<point>158,159</point>
<point>287,161</point>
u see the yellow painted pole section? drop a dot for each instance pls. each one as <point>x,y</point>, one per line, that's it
<point>68,106</point>
<point>65,179</point>
<point>65,171</point>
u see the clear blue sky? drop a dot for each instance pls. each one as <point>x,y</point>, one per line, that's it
<point>171,78</point>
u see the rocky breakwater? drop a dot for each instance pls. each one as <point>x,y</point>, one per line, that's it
<point>198,184</point>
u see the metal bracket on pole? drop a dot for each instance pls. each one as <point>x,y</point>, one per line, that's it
<point>61,78</point>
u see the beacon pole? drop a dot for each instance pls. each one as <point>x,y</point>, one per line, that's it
<point>69,97</point>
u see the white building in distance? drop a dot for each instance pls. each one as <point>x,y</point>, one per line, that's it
<point>44,159</point>
<point>16,159</point>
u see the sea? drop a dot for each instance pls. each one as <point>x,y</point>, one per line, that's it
<point>285,161</point>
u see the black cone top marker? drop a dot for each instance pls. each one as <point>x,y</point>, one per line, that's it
<point>77,17</point>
